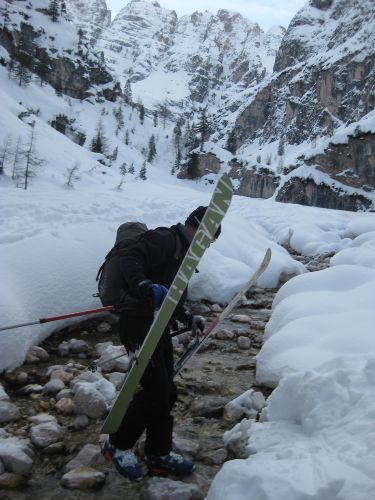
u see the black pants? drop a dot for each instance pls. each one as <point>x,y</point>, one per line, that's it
<point>150,409</point>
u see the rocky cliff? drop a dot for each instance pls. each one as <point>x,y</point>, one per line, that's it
<point>323,81</point>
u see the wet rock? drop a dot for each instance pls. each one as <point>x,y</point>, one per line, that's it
<point>65,406</point>
<point>64,393</point>
<point>216,308</point>
<point>54,386</point>
<point>14,376</point>
<point>78,346</point>
<point>54,449</point>
<point>81,422</point>
<point>218,457</point>
<point>225,334</point>
<point>63,349</point>
<point>116,378</point>
<point>11,481</point>
<point>243,342</point>
<point>83,478</point>
<point>185,447</point>
<point>87,457</point>
<point>200,308</point>
<point>36,354</point>
<point>114,358</point>
<point>42,418</point>
<point>8,412</point>
<point>3,395</point>
<point>240,318</point>
<point>101,347</point>
<point>16,455</point>
<point>2,467</point>
<point>60,372</point>
<point>30,389</point>
<point>103,327</point>
<point>208,407</point>
<point>43,435</point>
<point>89,401</point>
<point>168,489</point>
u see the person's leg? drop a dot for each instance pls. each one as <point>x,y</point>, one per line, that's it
<point>150,407</point>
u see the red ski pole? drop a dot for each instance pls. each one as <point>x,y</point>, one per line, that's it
<point>56,318</point>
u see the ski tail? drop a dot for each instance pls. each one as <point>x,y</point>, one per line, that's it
<point>180,364</point>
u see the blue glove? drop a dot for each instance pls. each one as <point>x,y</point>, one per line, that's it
<point>160,293</point>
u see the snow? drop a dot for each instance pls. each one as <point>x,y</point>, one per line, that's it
<point>318,353</point>
<point>315,439</point>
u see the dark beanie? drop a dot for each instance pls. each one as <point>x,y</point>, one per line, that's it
<point>196,217</point>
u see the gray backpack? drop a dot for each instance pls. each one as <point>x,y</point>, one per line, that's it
<point>109,277</point>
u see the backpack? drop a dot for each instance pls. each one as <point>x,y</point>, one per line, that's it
<point>109,277</point>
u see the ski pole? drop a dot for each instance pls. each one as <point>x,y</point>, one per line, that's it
<point>57,318</point>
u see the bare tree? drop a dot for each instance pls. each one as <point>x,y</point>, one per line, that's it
<point>72,175</point>
<point>5,152</point>
<point>16,157</point>
<point>32,161</point>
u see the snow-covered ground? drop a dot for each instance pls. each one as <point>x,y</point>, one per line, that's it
<point>318,439</point>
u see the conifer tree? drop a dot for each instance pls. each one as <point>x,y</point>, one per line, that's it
<point>141,113</point>
<point>42,67</point>
<point>126,139</point>
<point>155,118</point>
<point>53,10</point>
<point>143,172</point>
<point>204,126</point>
<point>5,15</point>
<point>128,97</point>
<point>131,168</point>
<point>151,149</point>
<point>99,141</point>
<point>16,157</point>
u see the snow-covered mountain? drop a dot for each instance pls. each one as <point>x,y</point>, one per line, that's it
<point>289,115</point>
<point>320,95</point>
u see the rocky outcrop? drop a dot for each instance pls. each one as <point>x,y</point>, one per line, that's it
<point>69,70</point>
<point>305,191</point>
<point>199,165</point>
<point>352,163</point>
<point>255,183</point>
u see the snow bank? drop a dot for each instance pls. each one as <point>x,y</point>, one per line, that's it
<point>316,440</point>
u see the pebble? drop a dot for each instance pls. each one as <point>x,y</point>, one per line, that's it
<point>54,386</point>
<point>168,489</point>
<point>30,389</point>
<point>16,455</point>
<point>80,422</point>
<point>87,457</point>
<point>103,327</point>
<point>16,377</point>
<point>90,402</point>
<point>65,406</point>
<point>43,435</point>
<point>8,412</point>
<point>243,342</point>
<point>241,318</point>
<point>3,395</point>
<point>36,354</point>
<point>83,478</point>
<point>78,346</point>
<point>11,481</point>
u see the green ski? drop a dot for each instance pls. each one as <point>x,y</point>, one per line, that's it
<point>217,208</point>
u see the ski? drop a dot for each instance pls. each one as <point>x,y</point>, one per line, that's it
<point>216,210</point>
<point>197,344</point>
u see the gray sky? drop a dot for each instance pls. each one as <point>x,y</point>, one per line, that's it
<point>266,13</point>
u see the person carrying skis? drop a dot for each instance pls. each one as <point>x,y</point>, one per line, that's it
<point>148,268</point>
